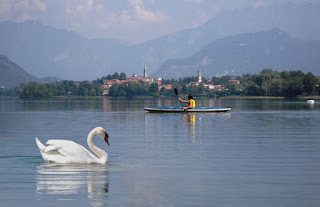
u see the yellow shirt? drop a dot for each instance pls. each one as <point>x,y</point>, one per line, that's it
<point>193,103</point>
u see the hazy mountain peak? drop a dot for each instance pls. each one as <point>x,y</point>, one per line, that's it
<point>247,53</point>
<point>12,75</point>
<point>45,51</point>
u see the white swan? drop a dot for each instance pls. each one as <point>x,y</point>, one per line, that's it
<point>310,101</point>
<point>65,151</point>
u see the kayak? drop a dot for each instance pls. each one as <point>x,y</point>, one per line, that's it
<point>180,110</point>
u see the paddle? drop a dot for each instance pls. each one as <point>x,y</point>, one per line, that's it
<point>177,94</point>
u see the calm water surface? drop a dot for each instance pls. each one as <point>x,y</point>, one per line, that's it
<point>262,153</point>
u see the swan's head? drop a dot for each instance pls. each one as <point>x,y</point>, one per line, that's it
<point>101,132</point>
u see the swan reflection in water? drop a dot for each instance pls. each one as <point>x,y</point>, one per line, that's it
<point>72,181</point>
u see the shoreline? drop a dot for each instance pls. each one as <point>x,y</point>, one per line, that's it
<point>150,97</point>
<point>270,97</point>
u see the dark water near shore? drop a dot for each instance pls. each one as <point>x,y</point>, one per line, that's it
<point>262,153</point>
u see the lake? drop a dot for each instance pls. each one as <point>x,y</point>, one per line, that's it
<point>264,152</point>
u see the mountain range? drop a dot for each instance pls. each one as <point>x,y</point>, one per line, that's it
<point>46,51</point>
<point>247,53</point>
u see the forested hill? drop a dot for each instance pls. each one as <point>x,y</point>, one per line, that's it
<point>12,75</point>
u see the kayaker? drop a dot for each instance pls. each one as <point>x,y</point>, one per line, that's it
<point>191,102</point>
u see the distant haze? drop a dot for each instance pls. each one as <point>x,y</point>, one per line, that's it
<point>247,53</point>
<point>129,20</point>
<point>43,50</point>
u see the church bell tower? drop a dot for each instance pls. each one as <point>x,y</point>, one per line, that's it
<point>199,76</point>
<point>145,71</point>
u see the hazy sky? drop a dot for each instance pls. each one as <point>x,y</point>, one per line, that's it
<point>131,20</point>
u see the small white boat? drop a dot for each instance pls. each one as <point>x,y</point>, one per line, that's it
<point>310,101</point>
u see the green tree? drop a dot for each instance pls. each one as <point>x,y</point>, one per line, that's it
<point>60,90</point>
<point>224,79</point>
<point>234,88</point>
<point>92,92</point>
<point>293,87</point>
<point>82,90</point>
<point>266,71</point>
<point>116,75</point>
<point>33,90</point>
<point>185,89</point>
<point>117,90</point>
<point>275,87</point>
<point>257,79</point>
<point>122,76</point>
<point>309,83</point>
<point>296,73</point>
<point>284,75</point>
<point>153,89</point>
<point>252,89</point>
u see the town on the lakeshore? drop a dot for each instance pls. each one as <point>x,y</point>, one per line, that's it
<point>268,83</point>
<point>107,84</point>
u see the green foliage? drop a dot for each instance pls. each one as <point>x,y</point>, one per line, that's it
<point>293,87</point>
<point>153,89</point>
<point>267,83</point>
<point>284,83</point>
<point>252,89</point>
<point>9,92</point>
<point>234,89</point>
<point>122,76</point>
<point>309,83</point>
<point>184,80</point>
<point>130,89</point>
<point>117,90</point>
<point>33,90</point>
<point>266,71</point>
<point>116,75</point>
<point>220,81</point>
<point>63,88</point>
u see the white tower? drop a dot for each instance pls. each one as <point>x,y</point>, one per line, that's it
<point>145,71</point>
<point>199,76</point>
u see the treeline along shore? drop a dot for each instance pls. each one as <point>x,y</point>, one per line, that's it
<point>267,83</point>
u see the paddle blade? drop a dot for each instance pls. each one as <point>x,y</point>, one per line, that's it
<point>176,91</point>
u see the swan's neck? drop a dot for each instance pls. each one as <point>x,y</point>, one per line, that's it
<point>99,152</point>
